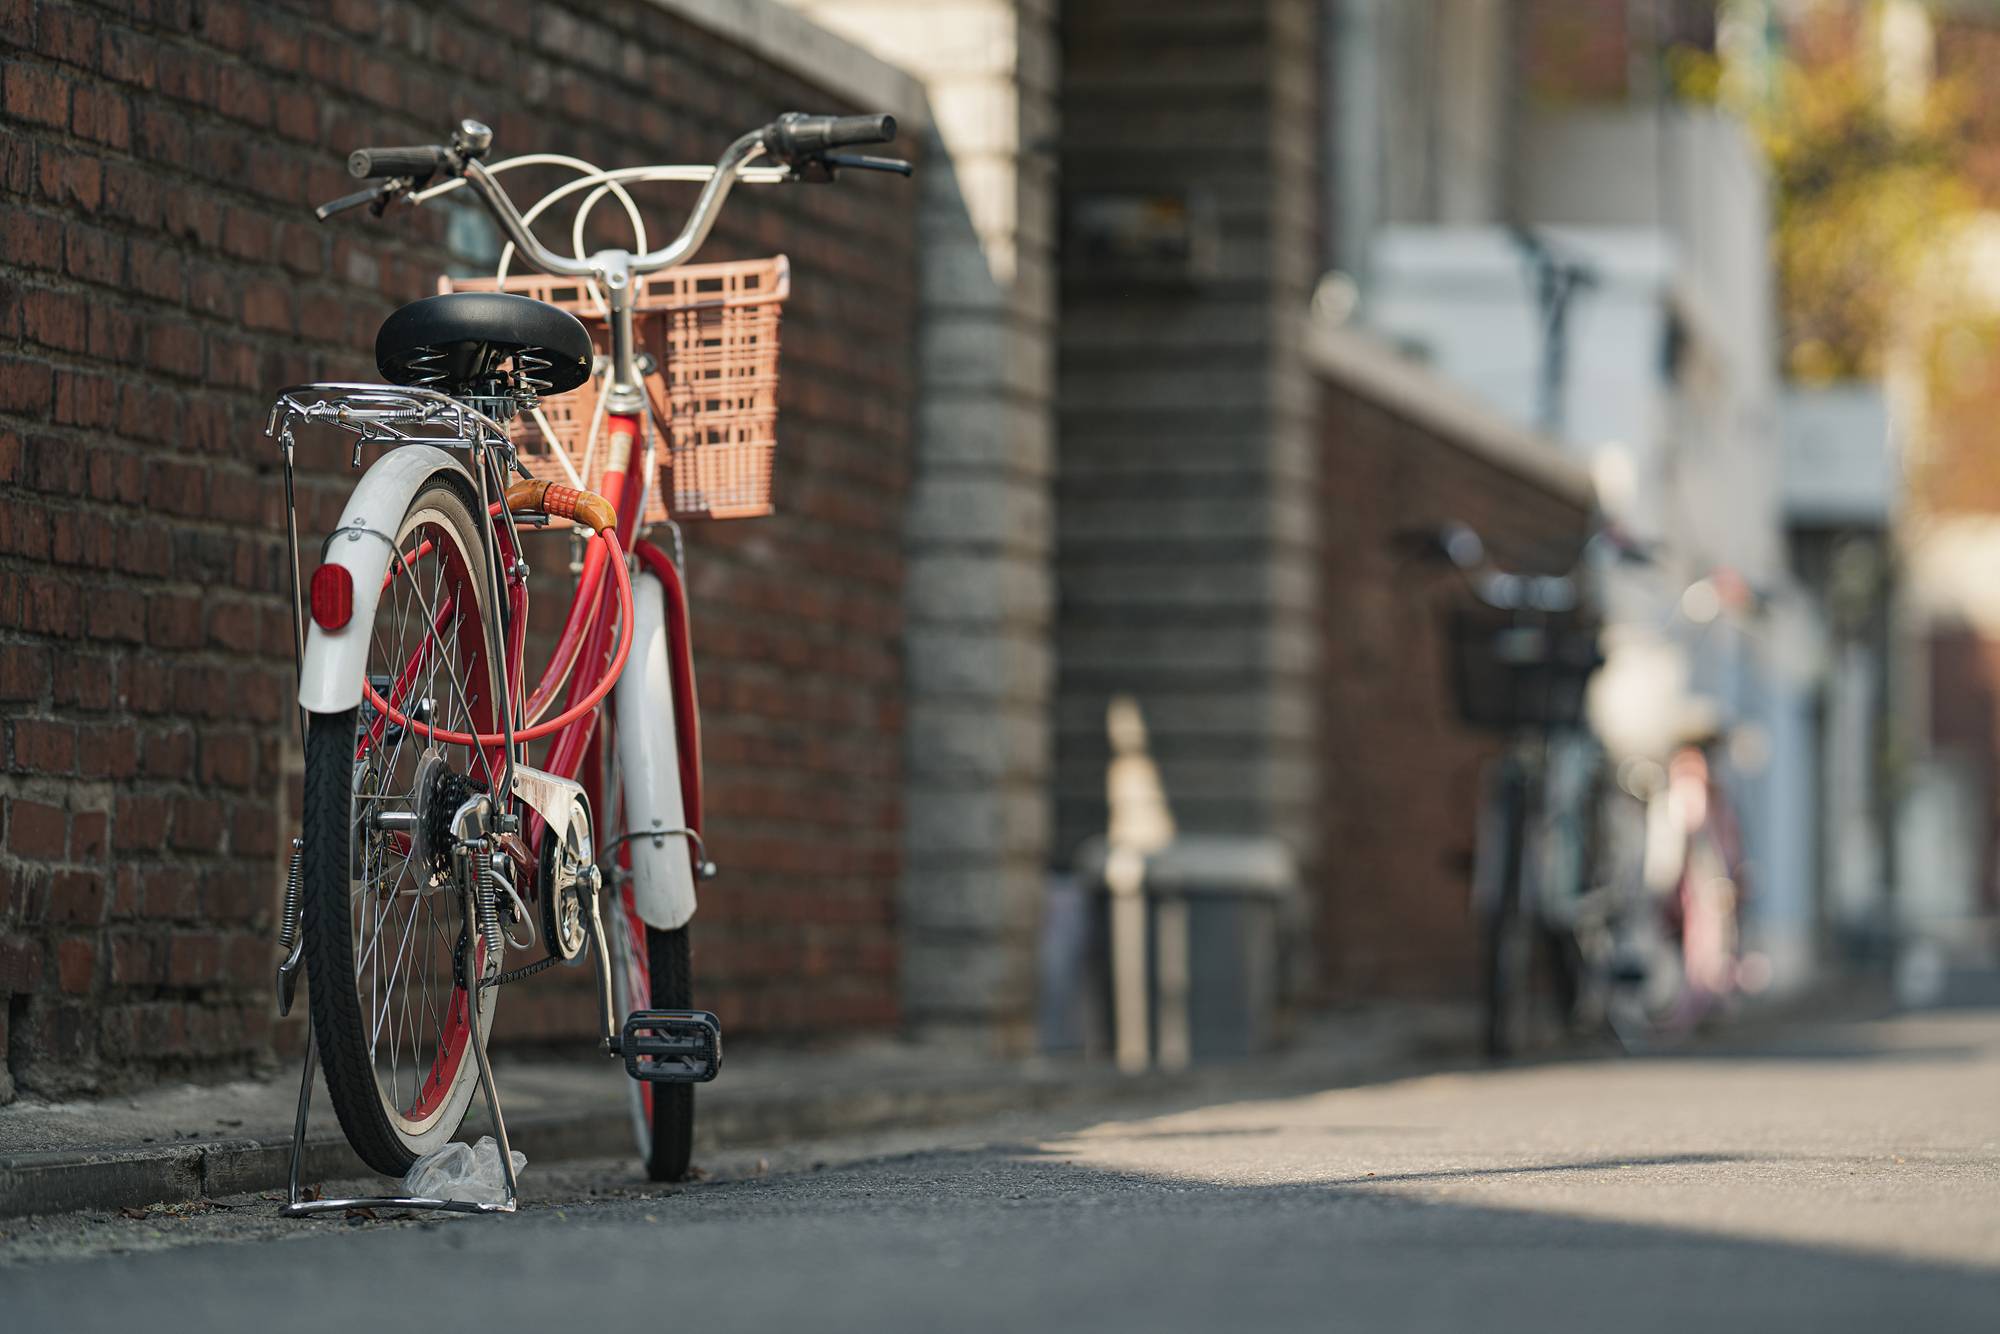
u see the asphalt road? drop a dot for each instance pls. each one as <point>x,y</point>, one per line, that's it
<point>1838,1178</point>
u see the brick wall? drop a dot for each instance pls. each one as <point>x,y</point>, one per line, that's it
<point>1400,775</point>
<point>163,276</point>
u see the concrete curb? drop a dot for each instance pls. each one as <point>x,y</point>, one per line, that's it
<point>70,1181</point>
<point>764,1112</point>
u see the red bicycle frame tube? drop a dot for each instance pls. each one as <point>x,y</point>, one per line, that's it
<point>680,669</point>
<point>583,658</point>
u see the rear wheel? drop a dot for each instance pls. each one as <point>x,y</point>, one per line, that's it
<point>387,944</point>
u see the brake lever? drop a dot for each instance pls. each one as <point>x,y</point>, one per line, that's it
<point>378,195</point>
<point>828,163</point>
<point>866,163</point>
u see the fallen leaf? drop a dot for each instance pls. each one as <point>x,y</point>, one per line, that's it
<point>363,1212</point>
<point>129,1212</point>
<point>696,1172</point>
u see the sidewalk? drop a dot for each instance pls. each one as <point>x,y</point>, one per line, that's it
<point>181,1142</point>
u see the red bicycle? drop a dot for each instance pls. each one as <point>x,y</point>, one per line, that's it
<point>429,846</point>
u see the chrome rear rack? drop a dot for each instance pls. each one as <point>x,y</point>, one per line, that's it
<point>386,414</point>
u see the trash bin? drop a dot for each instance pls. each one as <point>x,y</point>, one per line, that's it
<point>1221,911</point>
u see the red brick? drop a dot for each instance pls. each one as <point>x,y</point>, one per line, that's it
<point>204,692</point>
<point>86,836</point>
<point>156,271</point>
<point>36,95</point>
<point>244,95</point>
<point>32,241</point>
<point>194,958</point>
<point>169,892</point>
<point>173,622</point>
<point>130,57</point>
<point>197,825</point>
<point>36,831</point>
<point>141,825</point>
<point>81,538</point>
<point>267,306</point>
<point>248,235</point>
<point>107,752</point>
<point>72,178</point>
<point>86,400</point>
<point>52,607</point>
<point>68,36</point>
<point>235,498</point>
<point>137,961</point>
<point>20,966</point>
<point>176,488</point>
<point>52,465</point>
<point>168,754</point>
<point>44,748</point>
<point>114,335</point>
<point>81,680</point>
<point>53,319</point>
<point>24,529</point>
<point>24,672</point>
<point>229,893</point>
<point>228,759</point>
<point>117,476</point>
<point>27,388</point>
<point>143,686</point>
<point>76,962</point>
<point>76,898</point>
<point>254,831</point>
<point>144,548</point>
<point>93,255</point>
<point>102,117</point>
<point>118,615</point>
<point>174,348</point>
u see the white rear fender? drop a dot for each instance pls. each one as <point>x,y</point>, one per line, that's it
<point>330,681</point>
<point>650,763</point>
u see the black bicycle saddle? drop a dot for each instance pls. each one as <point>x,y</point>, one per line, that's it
<point>454,343</point>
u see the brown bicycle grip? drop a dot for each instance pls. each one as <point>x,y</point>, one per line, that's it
<point>562,502</point>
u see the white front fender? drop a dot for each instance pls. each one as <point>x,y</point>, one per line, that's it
<point>650,763</point>
<point>330,681</point>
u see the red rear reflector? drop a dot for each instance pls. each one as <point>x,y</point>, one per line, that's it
<point>332,596</point>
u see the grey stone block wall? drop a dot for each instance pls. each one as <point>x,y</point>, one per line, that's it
<point>1186,526</point>
<point>980,528</point>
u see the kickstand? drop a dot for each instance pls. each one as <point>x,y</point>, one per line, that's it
<point>296,1207</point>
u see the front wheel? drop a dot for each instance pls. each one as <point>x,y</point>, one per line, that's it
<point>653,970</point>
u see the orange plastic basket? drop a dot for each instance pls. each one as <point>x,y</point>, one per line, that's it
<point>713,329</point>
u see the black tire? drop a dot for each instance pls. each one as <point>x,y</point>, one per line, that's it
<point>670,963</point>
<point>1510,936</point>
<point>388,1129</point>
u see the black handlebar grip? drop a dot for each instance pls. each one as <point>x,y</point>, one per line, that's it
<point>420,163</point>
<point>795,134</point>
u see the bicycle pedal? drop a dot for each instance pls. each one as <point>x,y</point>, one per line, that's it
<point>672,1046</point>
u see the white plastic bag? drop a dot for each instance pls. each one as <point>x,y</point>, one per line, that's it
<point>469,1172</point>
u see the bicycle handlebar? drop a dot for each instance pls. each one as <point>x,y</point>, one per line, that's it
<point>795,138</point>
